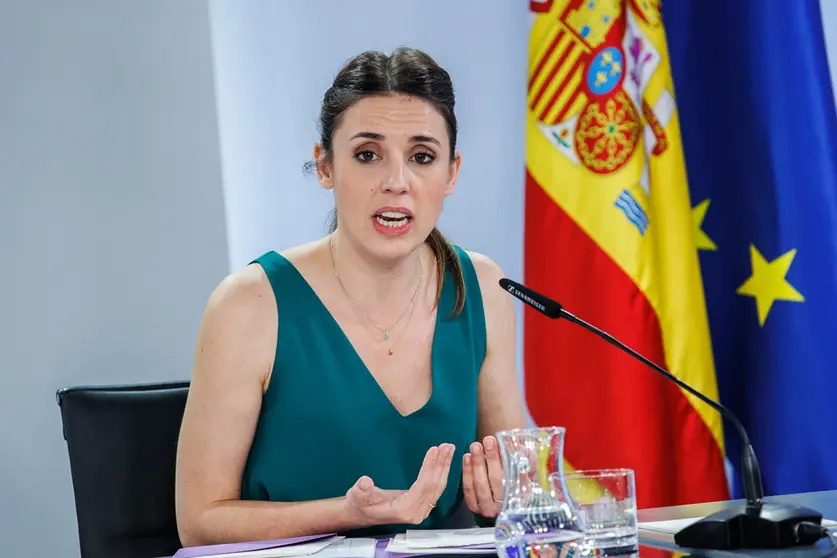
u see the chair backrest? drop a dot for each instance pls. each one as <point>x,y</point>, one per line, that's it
<point>122,444</point>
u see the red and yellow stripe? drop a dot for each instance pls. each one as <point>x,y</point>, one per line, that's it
<point>643,287</point>
<point>555,81</point>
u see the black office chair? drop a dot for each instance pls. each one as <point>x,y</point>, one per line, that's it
<point>122,443</point>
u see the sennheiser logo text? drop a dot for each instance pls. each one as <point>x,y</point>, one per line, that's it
<point>527,298</point>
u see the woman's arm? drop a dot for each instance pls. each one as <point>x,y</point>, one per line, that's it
<point>235,353</point>
<point>499,400</point>
<point>233,360</point>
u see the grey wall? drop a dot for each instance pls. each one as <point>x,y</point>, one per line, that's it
<point>112,228</point>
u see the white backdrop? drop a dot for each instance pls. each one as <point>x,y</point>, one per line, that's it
<point>273,62</point>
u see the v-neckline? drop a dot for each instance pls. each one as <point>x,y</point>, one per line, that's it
<point>359,360</point>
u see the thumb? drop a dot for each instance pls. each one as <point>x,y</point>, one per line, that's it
<point>364,493</point>
<point>365,484</point>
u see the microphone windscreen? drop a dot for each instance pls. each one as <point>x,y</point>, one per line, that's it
<point>536,300</point>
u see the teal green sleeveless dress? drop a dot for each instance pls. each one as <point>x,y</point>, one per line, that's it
<point>325,422</point>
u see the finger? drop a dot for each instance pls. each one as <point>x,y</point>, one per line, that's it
<point>443,472</point>
<point>419,501</point>
<point>437,471</point>
<point>428,469</point>
<point>495,467</point>
<point>365,483</point>
<point>425,480</point>
<point>360,488</point>
<point>364,493</point>
<point>468,484</point>
<point>443,462</point>
<point>480,471</point>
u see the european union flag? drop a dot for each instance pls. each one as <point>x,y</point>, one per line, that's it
<point>760,135</point>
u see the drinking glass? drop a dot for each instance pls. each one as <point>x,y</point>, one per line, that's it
<point>606,503</point>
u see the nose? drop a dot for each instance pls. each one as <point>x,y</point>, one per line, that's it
<point>397,178</point>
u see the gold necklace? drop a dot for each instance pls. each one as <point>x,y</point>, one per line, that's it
<point>385,330</point>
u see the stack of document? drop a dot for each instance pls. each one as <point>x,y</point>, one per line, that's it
<point>479,540</point>
<point>321,546</point>
<point>412,543</point>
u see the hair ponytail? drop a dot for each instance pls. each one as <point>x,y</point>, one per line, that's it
<point>446,258</point>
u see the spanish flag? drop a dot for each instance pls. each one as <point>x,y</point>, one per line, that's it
<point>610,233</point>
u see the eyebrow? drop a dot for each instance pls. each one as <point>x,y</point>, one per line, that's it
<point>380,137</point>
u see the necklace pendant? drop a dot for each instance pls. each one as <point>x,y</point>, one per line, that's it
<point>386,335</point>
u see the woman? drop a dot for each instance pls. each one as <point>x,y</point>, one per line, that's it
<point>353,384</point>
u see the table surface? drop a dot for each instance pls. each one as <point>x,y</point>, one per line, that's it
<point>824,502</point>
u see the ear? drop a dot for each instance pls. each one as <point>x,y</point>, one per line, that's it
<point>324,173</point>
<point>453,173</point>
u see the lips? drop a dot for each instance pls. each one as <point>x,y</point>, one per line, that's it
<point>393,217</point>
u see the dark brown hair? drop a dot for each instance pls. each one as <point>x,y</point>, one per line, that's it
<point>406,71</point>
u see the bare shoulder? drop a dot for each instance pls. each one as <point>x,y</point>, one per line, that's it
<point>242,296</point>
<point>304,254</point>
<point>489,273</point>
<point>245,300</point>
<point>238,330</point>
<point>485,267</point>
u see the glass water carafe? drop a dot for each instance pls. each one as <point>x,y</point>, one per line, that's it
<point>538,518</point>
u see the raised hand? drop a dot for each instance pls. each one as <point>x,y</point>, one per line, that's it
<point>482,478</point>
<point>379,507</point>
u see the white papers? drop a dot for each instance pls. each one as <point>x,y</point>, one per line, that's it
<point>349,548</point>
<point>478,540</point>
<point>438,538</point>
<point>304,549</point>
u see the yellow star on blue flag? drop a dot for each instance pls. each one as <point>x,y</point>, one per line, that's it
<point>702,239</point>
<point>767,284</point>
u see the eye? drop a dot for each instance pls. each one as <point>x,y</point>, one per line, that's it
<point>365,156</point>
<point>424,158</point>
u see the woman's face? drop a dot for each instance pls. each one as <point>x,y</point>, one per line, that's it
<point>391,171</point>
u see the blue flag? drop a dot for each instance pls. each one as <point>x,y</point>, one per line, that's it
<point>760,136</point>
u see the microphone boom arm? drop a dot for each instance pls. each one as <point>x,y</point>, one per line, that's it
<point>753,491</point>
<point>757,524</point>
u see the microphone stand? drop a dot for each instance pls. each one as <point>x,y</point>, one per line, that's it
<point>756,523</point>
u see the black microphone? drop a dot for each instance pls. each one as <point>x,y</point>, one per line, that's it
<point>756,524</point>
